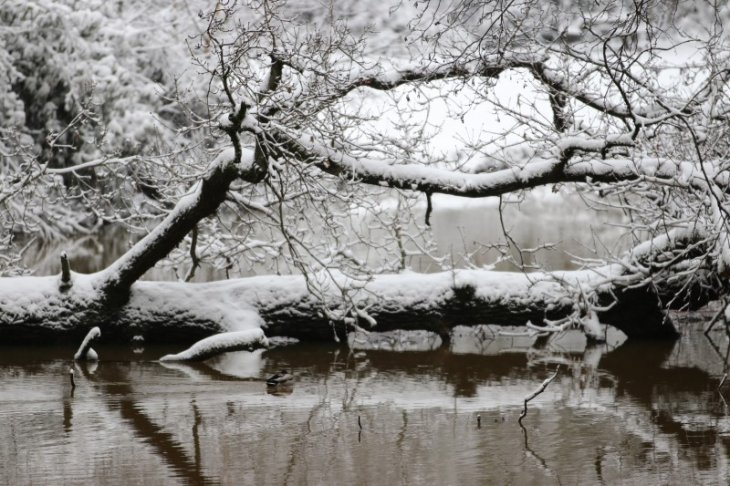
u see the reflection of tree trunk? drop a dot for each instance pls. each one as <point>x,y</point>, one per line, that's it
<point>119,396</point>
<point>642,378</point>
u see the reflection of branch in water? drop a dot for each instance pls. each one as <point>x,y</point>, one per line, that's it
<point>540,461</point>
<point>716,348</point>
<point>68,414</point>
<point>298,441</point>
<point>598,464</point>
<point>202,371</point>
<point>119,397</point>
<point>196,435</point>
<point>401,433</point>
<point>724,359</point>
<point>165,443</point>
<point>720,314</point>
<point>676,385</point>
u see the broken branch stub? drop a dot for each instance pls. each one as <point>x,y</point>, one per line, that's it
<point>66,282</point>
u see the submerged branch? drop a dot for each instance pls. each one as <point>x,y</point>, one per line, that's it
<point>537,392</point>
<point>85,352</point>
<point>220,343</point>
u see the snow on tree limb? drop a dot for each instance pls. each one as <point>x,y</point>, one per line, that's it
<point>85,351</point>
<point>220,343</point>
<point>551,168</point>
<point>679,237</point>
<point>202,201</point>
<point>386,75</point>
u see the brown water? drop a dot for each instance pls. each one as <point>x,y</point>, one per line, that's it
<point>631,413</point>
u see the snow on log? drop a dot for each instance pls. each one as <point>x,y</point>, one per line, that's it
<point>183,312</point>
<point>32,309</point>
<point>440,301</point>
<point>220,343</point>
<point>85,351</point>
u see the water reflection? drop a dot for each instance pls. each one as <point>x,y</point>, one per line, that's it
<point>638,412</point>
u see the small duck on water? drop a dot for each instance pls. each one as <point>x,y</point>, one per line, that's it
<point>282,376</point>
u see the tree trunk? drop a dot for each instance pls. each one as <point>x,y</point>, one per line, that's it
<point>35,309</point>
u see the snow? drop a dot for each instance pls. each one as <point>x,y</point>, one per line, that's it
<point>538,171</point>
<point>220,343</point>
<point>185,204</point>
<point>85,351</point>
<point>217,302</point>
<point>447,181</point>
<point>665,242</point>
<point>413,291</point>
<point>235,306</point>
<point>38,298</point>
<point>723,239</point>
<point>593,144</point>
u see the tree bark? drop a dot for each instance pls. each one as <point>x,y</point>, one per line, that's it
<point>283,306</point>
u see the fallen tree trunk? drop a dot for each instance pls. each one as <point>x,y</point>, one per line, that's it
<point>36,309</point>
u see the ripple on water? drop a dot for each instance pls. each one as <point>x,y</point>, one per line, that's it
<point>371,416</point>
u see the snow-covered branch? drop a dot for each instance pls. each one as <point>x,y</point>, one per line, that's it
<point>387,76</point>
<point>553,167</point>
<point>220,343</point>
<point>203,200</point>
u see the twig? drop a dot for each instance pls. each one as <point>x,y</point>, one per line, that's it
<point>195,261</point>
<point>722,382</point>
<point>429,209</point>
<point>717,316</point>
<point>539,390</point>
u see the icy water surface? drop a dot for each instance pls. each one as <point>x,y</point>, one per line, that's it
<point>642,413</point>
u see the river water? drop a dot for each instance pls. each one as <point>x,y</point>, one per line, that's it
<point>628,413</point>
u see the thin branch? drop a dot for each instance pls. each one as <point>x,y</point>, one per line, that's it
<point>537,392</point>
<point>195,261</point>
